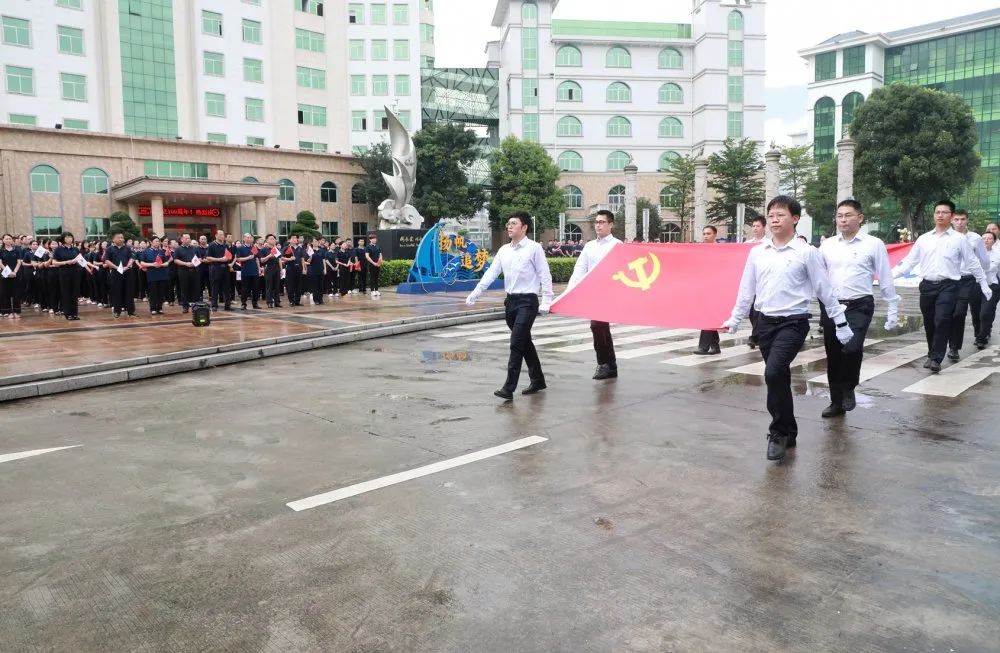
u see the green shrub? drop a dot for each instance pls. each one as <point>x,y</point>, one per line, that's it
<point>561,268</point>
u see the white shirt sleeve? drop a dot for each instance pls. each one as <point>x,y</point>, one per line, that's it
<point>492,272</point>
<point>748,288</point>
<point>544,274</point>
<point>910,261</point>
<point>821,286</point>
<point>884,271</point>
<point>974,265</point>
<point>580,269</point>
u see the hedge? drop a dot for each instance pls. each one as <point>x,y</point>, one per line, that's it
<point>396,272</point>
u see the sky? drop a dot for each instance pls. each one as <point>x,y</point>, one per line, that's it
<point>462,28</point>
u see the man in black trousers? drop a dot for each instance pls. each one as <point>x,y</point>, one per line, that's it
<point>119,259</point>
<point>188,275</point>
<point>373,256</point>
<point>218,258</point>
<point>708,341</point>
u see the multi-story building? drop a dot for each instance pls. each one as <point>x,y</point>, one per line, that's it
<point>598,94</point>
<point>960,55</point>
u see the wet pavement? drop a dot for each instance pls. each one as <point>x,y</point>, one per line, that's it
<point>648,520</point>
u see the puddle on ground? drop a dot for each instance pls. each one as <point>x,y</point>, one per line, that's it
<point>435,356</point>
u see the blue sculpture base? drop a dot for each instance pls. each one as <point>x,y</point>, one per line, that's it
<point>420,288</point>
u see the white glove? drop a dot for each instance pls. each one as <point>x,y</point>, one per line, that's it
<point>844,334</point>
<point>470,300</point>
<point>891,318</point>
<point>731,325</point>
<point>544,309</point>
<point>896,272</point>
<point>987,293</point>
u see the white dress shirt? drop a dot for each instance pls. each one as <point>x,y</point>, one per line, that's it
<point>993,273</point>
<point>592,253</point>
<point>941,255</point>
<point>781,281</point>
<point>979,249</point>
<point>852,264</point>
<point>524,270</point>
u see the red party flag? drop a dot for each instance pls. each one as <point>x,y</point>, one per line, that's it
<point>159,260</point>
<point>288,251</point>
<point>227,256</point>
<point>897,252</point>
<point>253,250</point>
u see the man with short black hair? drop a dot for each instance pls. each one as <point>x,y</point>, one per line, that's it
<point>708,341</point>
<point>373,256</point>
<point>969,297</point>
<point>218,256</point>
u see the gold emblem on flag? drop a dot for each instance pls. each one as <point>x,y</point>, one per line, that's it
<point>642,280</point>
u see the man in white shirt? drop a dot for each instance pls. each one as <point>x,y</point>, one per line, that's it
<point>989,310</point>
<point>969,297</point>
<point>758,234</point>
<point>780,279</point>
<point>524,269</point>
<point>592,254</point>
<point>853,259</point>
<point>708,341</point>
<point>941,254</point>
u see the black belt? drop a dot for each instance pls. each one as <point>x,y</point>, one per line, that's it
<point>938,282</point>
<point>779,319</point>
<point>857,300</point>
<point>521,294</point>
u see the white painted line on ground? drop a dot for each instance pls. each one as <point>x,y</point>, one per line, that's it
<point>584,335</point>
<point>956,379</point>
<point>804,358</point>
<point>887,362</point>
<point>502,326</point>
<point>694,359</point>
<point>409,475</point>
<point>7,457</point>
<point>642,337</point>
<point>673,346</point>
<point>535,331</point>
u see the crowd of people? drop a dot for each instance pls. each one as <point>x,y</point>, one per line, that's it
<point>55,276</point>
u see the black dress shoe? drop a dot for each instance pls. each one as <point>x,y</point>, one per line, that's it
<point>953,355</point>
<point>277,305</point>
<point>833,410</point>
<point>927,363</point>
<point>714,349</point>
<point>605,372</point>
<point>534,388</point>
<point>935,366</point>
<point>776,445</point>
<point>790,443</point>
<point>701,352</point>
<point>850,402</point>
<point>504,394</point>
<point>980,344</point>
<point>256,307</point>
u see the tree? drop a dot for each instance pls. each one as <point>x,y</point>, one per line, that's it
<point>444,152</point>
<point>797,167</point>
<point>524,179</point>
<point>655,221</point>
<point>305,225</point>
<point>374,161</point>
<point>679,187</point>
<point>121,222</point>
<point>735,174</point>
<point>820,197</point>
<point>916,145</point>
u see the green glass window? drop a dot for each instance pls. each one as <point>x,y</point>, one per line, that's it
<point>670,59</point>
<point>70,40</point>
<point>668,198</point>
<point>854,61</point>
<point>617,161</point>
<point>426,33</point>
<point>22,119</point>
<point>358,85</point>
<point>312,146</point>
<point>849,108</point>
<point>826,66</point>
<point>570,161</point>
<point>529,10</point>
<point>529,92</point>
<point>285,228</point>
<point>251,31</point>
<point>619,92</point>
<point>254,109</point>
<point>360,229</point>
<point>401,49</point>
<point>734,125</point>
<point>569,91</point>
<point>314,7</point>
<point>824,114</point>
<point>619,127</point>
<point>253,70</point>
<point>569,56</point>
<point>735,54</point>
<point>328,194</point>
<point>70,4</point>
<point>670,127</point>
<point>735,88</point>
<point>529,48</point>
<point>149,89</point>
<point>214,63</point>
<point>211,23</point>
<point>357,49</point>
<point>378,14</point>
<point>735,21</point>
<point>573,196</point>
<point>356,13</point>
<point>255,140</point>
<point>380,50</point>
<point>359,121</point>
<point>359,150</point>
<point>400,14</point>
<point>402,85</point>
<point>529,127</point>
<point>286,190</point>
<point>255,3</point>
<point>44,179</point>
<point>329,229</point>
<point>176,169</point>
<point>306,40</point>
<point>94,182</point>
<point>569,126</point>
<point>16,31</point>
<point>20,80</point>
<point>380,85</point>
<point>666,159</point>
<point>215,104</point>
<point>215,137</point>
<point>47,227</point>
<point>310,77</point>
<point>671,94</point>
<point>619,57</point>
<point>248,227</point>
<point>426,62</point>
<point>74,87</point>
<point>404,118</point>
<point>96,228</point>
<point>311,114</point>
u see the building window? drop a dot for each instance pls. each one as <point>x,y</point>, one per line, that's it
<point>257,141</point>
<point>570,161</point>
<point>22,119</point>
<point>668,198</point>
<point>529,92</point>
<point>401,49</point>
<point>329,229</point>
<point>16,31</point>
<point>569,92</point>
<point>671,127</point>
<point>249,227</point>
<point>359,230</point>
<point>402,85</point>
<point>569,126</point>
<point>735,21</point>
<point>616,194</point>
<point>666,159</point>
<point>47,227</point>
<point>426,33</point>
<point>310,77</point>
<point>96,228</point>
<point>314,7</point>
<point>20,80</point>
<point>826,66</point>
<point>734,125</point>
<point>380,85</point>
<point>357,85</point>
<point>250,180</point>
<point>619,127</point>
<point>311,146</point>
<point>176,169</point>
<point>251,31</point>
<point>529,127</point>
<point>426,62</point>
<point>306,40</point>
<point>74,87</point>
<point>286,190</point>
<point>619,57</point>
<point>529,10</point>
<point>569,56</point>
<point>854,61</point>
<point>381,120</point>
<point>311,114</point>
<point>573,196</point>
<point>215,104</point>
<point>253,70</point>
<point>735,88</point>
<point>70,40</point>
<point>356,13</point>
<point>211,23</point>
<point>254,109</point>
<point>404,118</point>
<point>215,137</point>
<point>529,48</point>
<point>328,192</point>
<point>378,14</point>
<point>400,14</point>
<point>824,113</point>
<point>44,179</point>
<point>94,182</point>
<point>380,50</point>
<point>358,195</point>
<point>848,109</point>
<point>619,92</point>
<point>284,229</point>
<point>671,59</point>
<point>671,94</point>
<point>357,50</point>
<point>70,4</point>
<point>214,63</point>
<point>735,58</point>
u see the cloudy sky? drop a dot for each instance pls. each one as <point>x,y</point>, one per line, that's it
<point>463,28</point>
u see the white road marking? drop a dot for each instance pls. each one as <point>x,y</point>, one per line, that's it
<point>642,337</point>
<point>804,358</point>
<point>535,331</point>
<point>695,360</point>
<point>956,379</point>
<point>393,479</point>
<point>501,326</point>
<point>887,362</point>
<point>585,335</point>
<point>7,457</point>
<point>673,346</point>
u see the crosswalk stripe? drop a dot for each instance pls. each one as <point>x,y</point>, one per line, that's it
<point>887,362</point>
<point>549,330</point>
<point>642,337</point>
<point>585,335</point>
<point>804,358</point>
<point>672,346</point>
<point>694,359</point>
<point>956,379</point>
<point>479,329</point>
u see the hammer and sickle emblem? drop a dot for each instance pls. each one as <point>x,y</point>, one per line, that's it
<point>642,280</point>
